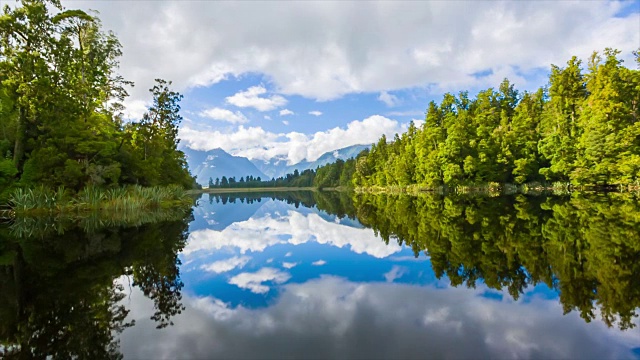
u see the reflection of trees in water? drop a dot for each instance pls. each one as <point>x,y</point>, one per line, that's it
<point>58,295</point>
<point>334,202</point>
<point>586,247</point>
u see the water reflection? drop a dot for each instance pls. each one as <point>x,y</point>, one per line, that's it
<point>585,247</point>
<point>331,317</point>
<point>326,274</point>
<point>58,293</point>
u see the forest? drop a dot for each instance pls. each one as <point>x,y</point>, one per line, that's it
<point>61,112</point>
<point>582,129</point>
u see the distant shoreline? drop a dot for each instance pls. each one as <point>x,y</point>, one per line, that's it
<point>260,189</point>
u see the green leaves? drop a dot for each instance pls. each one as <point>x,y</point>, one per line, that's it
<point>60,101</point>
<point>584,129</point>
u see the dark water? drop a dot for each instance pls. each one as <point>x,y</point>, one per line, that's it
<point>328,275</point>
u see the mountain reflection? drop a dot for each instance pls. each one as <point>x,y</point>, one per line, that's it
<point>59,296</point>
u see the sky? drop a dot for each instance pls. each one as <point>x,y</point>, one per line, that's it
<point>295,79</point>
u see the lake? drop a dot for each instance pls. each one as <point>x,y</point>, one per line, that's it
<point>330,275</point>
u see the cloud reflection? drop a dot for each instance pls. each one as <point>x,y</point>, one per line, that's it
<point>254,281</point>
<point>331,317</point>
<point>259,233</point>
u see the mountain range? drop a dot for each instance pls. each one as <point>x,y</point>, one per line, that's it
<point>217,163</point>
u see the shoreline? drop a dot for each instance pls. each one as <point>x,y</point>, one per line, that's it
<point>259,189</point>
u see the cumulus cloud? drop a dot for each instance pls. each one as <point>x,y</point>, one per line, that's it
<point>267,117</point>
<point>315,113</point>
<point>256,143</point>
<point>254,281</point>
<point>220,114</point>
<point>372,46</point>
<point>226,265</point>
<point>285,112</point>
<point>285,122</point>
<point>389,99</point>
<point>251,98</point>
<point>318,263</point>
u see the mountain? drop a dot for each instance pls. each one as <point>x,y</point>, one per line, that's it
<point>217,163</point>
<point>278,167</point>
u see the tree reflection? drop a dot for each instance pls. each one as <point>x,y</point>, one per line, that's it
<point>59,296</point>
<point>587,247</point>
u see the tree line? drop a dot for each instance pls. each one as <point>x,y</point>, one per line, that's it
<point>61,107</point>
<point>582,128</point>
<point>332,175</point>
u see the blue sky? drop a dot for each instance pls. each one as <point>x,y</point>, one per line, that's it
<point>253,71</point>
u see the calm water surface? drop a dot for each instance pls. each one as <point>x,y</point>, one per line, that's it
<point>330,275</point>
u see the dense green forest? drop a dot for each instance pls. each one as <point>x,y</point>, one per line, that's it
<point>61,107</point>
<point>582,128</point>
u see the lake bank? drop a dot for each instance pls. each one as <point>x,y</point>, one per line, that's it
<point>240,190</point>
<point>42,201</point>
<point>496,189</point>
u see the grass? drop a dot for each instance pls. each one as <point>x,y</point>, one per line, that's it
<point>43,201</point>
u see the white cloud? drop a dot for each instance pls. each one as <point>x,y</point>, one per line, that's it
<point>285,122</point>
<point>285,112</point>
<point>254,281</point>
<point>251,98</point>
<point>135,109</point>
<point>288,254</point>
<point>267,117</point>
<point>372,47</point>
<point>315,113</point>
<point>220,114</point>
<point>289,265</point>
<point>256,143</point>
<point>318,263</point>
<point>242,138</point>
<point>389,99</point>
<point>226,265</point>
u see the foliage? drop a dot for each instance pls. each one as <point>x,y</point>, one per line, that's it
<point>581,128</point>
<point>60,107</point>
